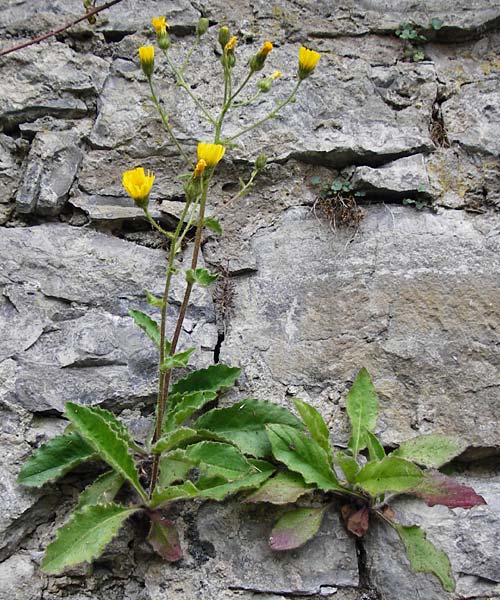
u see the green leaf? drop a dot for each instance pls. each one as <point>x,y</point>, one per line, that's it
<point>173,492</point>
<point>212,379</point>
<point>102,491</point>
<point>182,437</point>
<point>101,436</point>
<point>389,475</point>
<point>201,276</point>
<point>348,465</point>
<point>212,224</point>
<point>153,300</point>
<point>436,23</point>
<point>117,426</point>
<point>84,536</point>
<point>217,459</point>
<point>173,467</point>
<point>302,455</point>
<point>296,527</point>
<point>54,459</point>
<point>244,424</point>
<point>418,56</point>
<point>178,360</point>
<point>315,425</point>
<point>362,408</point>
<point>164,538</point>
<point>147,324</point>
<point>182,406</point>
<point>218,489</point>
<point>424,557</point>
<point>284,488</point>
<point>375,449</point>
<point>432,450</point>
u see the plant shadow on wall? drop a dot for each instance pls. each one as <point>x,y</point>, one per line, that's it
<point>253,447</point>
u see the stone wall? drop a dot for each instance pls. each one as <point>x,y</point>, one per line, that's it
<point>412,295</point>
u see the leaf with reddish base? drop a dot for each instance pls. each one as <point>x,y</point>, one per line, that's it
<point>358,522</point>
<point>296,527</point>
<point>164,538</point>
<point>437,488</point>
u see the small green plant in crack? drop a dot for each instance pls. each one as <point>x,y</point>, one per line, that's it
<point>361,481</point>
<point>422,202</point>
<point>337,203</point>
<point>414,39</point>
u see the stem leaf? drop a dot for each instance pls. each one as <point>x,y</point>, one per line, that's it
<point>178,360</point>
<point>147,324</point>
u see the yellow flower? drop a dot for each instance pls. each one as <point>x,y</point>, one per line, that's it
<point>231,45</point>
<point>200,167</point>
<point>266,48</point>
<point>160,24</point>
<point>138,185</point>
<point>276,74</point>
<point>210,153</point>
<point>147,58</point>
<point>308,59</point>
<point>258,60</point>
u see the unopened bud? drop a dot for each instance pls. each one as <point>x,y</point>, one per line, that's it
<point>261,161</point>
<point>164,41</point>
<point>224,36</point>
<point>202,26</point>
<point>265,84</point>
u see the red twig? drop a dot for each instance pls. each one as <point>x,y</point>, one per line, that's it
<point>40,38</point>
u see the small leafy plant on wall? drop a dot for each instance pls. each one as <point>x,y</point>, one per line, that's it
<point>414,39</point>
<point>253,447</point>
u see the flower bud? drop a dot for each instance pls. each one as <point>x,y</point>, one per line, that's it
<point>224,36</point>
<point>258,60</point>
<point>261,161</point>
<point>164,41</point>
<point>265,84</point>
<point>202,26</point>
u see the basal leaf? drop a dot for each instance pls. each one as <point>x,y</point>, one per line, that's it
<point>302,455</point>
<point>55,458</point>
<point>118,427</point>
<point>105,441</point>
<point>432,450</point>
<point>244,424</point>
<point>183,406</point>
<point>218,489</point>
<point>348,464</point>
<point>217,459</point>
<point>437,488</point>
<point>171,440</point>
<point>389,475</point>
<point>296,527</point>
<point>164,538</point>
<point>284,488</point>
<point>315,425</point>
<point>424,557</point>
<point>147,324</point>
<point>362,408</point>
<point>84,536</point>
<point>375,449</point>
<point>177,361</point>
<point>173,467</point>
<point>212,379</point>
<point>102,491</point>
<point>173,492</point>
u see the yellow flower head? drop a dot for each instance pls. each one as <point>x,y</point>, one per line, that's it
<point>276,74</point>
<point>200,167</point>
<point>266,48</point>
<point>138,185</point>
<point>147,58</point>
<point>210,153</point>
<point>231,45</point>
<point>160,24</point>
<point>308,59</point>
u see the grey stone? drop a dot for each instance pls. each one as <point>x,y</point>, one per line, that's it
<point>11,153</point>
<point>51,168</point>
<point>18,579</point>
<point>403,176</point>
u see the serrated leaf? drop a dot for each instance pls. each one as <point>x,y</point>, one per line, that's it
<point>184,436</point>
<point>315,425</point>
<point>147,324</point>
<point>201,276</point>
<point>153,300</point>
<point>173,492</point>
<point>217,459</point>
<point>296,527</point>
<point>173,467</point>
<point>54,459</point>
<point>432,450</point>
<point>213,224</point>
<point>302,455</point>
<point>362,408</point>
<point>101,436</point>
<point>424,557</point>
<point>84,536</point>
<point>102,491</point>
<point>437,488</point>
<point>117,426</point>
<point>284,488</point>
<point>212,379</point>
<point>375,449</point>
<point>389,475</point>
<point>176,361</point>
<point>218,489</point>
<point>348,464</point>
<point>182,406</point>
<point>244,423</point>
<point>164,538</point>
